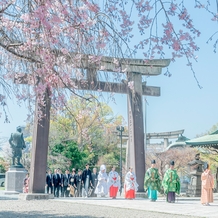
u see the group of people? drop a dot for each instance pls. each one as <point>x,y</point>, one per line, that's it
<point>111,183</point>
<point>69,184</point>
<point>171,183</point>
<point>100,184</point>
<point>86,183</point>
<point>83,184</point>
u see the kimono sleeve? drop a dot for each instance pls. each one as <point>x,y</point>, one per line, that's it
<point>147,179</point>
<point>165,182</point>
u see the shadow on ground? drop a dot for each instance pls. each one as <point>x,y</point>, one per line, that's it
<point>36,214</point>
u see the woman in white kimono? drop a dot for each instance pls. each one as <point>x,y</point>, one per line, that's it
<point>101,188</point>
<point>113,182</point>
<point>131,186</point>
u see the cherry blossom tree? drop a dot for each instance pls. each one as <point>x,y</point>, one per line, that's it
<point>182,156</point>
<point>48,39</point>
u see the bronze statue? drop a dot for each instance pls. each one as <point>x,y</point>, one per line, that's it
<point>197,164</point>
<point>17,144</point>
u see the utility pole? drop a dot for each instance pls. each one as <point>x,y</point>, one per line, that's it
<point>120,129</point>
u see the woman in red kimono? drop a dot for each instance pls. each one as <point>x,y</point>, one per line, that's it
<point>131,186</point>
<point>113,182</point>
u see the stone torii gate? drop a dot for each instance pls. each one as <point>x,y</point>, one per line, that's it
<point>164,135</point>
<point>135,69</point>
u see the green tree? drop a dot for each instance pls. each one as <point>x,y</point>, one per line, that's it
<point>83,132</point>
<point>3,165</point>
<point>70,150</point>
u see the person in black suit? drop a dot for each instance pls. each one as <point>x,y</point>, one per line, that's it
<point>94,181</point>
<point>66,183</point>
<point>56,183</point>
<point>79,183</point>
<point>87,179</point>
<point>49,178</point>
<point>60,184</point>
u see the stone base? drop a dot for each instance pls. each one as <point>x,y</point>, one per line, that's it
<point>194,189</point>
<point>184,187</point>
<point>141,195</point>
<point>17,166</point>
<point>14,180</point>
<point>35,196</point>
<point>11,193</point>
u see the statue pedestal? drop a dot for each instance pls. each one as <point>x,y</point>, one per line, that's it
<point>14,180</point>
<point>194,189</point>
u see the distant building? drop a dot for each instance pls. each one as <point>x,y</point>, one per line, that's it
<point>179,143</point>
<point>166,144</point>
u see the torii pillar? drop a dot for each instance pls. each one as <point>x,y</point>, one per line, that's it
<point>39,152</point>
<point>40,147</point>
<point>136,129</point>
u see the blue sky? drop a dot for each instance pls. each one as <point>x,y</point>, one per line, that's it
<point>182,104</point>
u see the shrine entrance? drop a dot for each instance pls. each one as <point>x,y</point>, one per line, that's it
<point>135,69</point>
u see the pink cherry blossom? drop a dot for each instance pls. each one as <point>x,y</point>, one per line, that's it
<point>48,39</point>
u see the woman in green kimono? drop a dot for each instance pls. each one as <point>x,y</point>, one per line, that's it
<point>171,183</point>
<point>152,182</point>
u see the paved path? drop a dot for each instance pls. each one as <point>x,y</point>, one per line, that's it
<point>181,207</point>
<point>71,209</point>
<point>105,208</point>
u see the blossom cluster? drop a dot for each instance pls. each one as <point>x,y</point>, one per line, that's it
<point>48,39</point>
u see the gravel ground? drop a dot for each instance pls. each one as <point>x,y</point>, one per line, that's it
<point>53,209</point>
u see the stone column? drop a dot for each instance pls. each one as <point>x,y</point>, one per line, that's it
<point>166,143</point>
<point>136,129</point>
<point>40,148</point>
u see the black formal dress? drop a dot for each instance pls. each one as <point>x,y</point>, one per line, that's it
<point>49,179</point>
<point>56,184</point>
<point>72,184</point>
